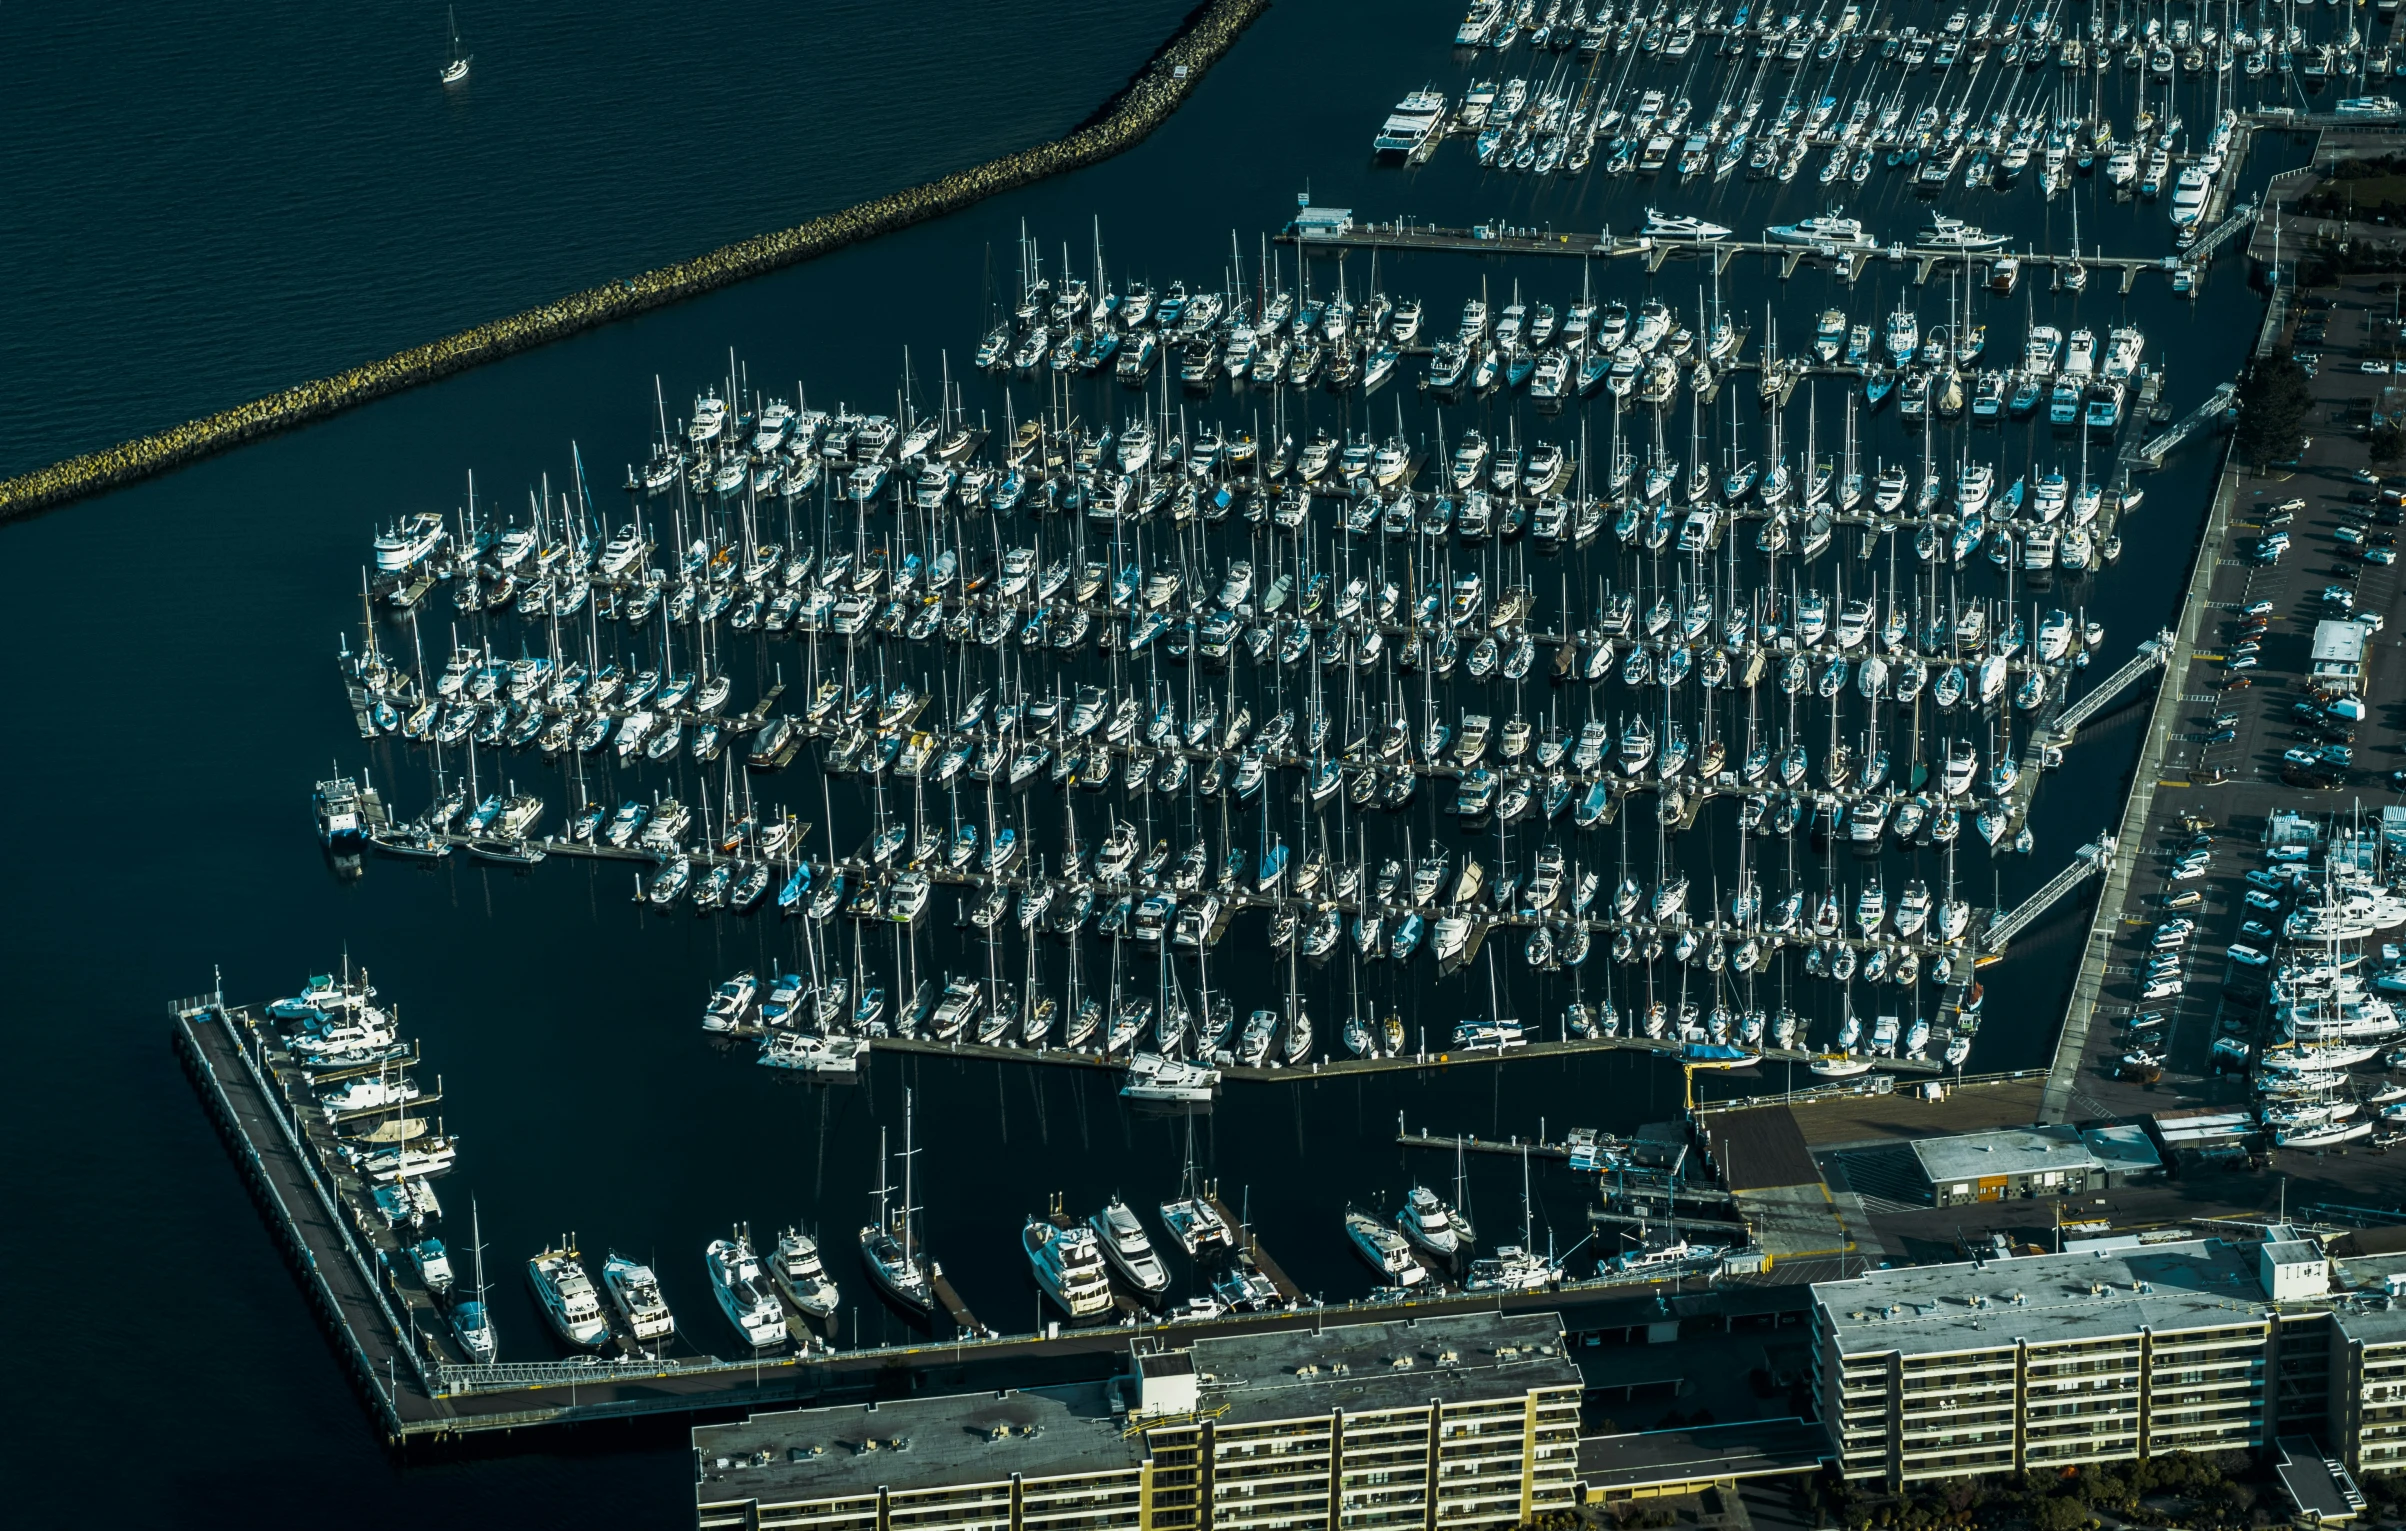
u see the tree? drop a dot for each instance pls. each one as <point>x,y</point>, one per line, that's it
<point>2060,1513</point>
<point>2274,401</point>
<point>2388,442</point>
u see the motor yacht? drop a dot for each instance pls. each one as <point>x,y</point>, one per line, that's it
<point>1125,1244</point>
<point>635,1292</point>
<point>1068,1265</point>
<point>743,1290</point>
<point>565,1294</point>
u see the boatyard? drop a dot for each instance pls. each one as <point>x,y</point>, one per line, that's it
<point>1550,741</point>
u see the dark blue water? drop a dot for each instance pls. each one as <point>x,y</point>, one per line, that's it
<point>209,203</point>
<point>177,642</point>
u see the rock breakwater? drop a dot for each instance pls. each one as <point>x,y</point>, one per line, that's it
<point>1143,105</point>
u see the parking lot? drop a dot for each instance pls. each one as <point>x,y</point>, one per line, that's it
<point>2252,734</point>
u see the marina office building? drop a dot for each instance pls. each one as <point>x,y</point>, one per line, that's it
<point>1465,1422</point>
<point>2106,1355</point>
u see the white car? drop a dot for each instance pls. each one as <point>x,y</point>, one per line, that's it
<point>2248,954</point>
<point>2188,871</point>
<point>2380,367</point>
<point>2161,988</point>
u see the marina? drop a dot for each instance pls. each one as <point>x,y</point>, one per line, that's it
<point>1263,680</point>
<point>1244,642</point>
<point>421,1351</point>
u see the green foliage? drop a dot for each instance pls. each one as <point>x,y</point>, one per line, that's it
<point>2388,442</point>
<point>2274,403</point>
<point>2179,1490</point>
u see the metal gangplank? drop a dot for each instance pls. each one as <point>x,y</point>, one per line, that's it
<point>2086,862</point>
<point>2152,656</point>
<point>2152,454</point>
<point>2219,235</point>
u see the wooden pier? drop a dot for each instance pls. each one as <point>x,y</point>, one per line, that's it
<point>1849,261</point>
<point>963,1321</point>
<point>1287,1289</point>
<point>390,1336</point>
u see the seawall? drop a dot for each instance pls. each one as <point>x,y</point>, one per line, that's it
<point>1143,105</point>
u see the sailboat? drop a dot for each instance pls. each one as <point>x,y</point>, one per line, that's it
<point>472,1321</point>
<point>457,69</point>
<point>885,1245</point>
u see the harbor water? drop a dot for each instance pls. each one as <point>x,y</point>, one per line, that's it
<point>183,635</point>
<point>210,208</point>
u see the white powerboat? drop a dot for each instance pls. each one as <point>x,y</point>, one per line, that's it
<point>1660,225</point>
<point>635,1292</point>
<point>1428,1222</point>
<point>802,1276</point>
<point>743,1291</point>
<point>1126,1245</point>
<point>565,1294</point>
<point>1068,1263</point>
<point>1384,1248</point>
<point>1832,228</point>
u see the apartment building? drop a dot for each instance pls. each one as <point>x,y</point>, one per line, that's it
<point>1467,1423</point>
<point>2108,1355</point>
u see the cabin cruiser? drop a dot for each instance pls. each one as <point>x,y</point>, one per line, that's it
<point>635,1292</point>
<point>565,1294</point>
<point>1385,1249</point>
<point>1428,1222</point>
<point>1822,229</point>
<point>1945,233</point>
<point>743,1291</point>
<point>801,1275</point>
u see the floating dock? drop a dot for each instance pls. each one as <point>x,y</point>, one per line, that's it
<point>1850,262</point>
<point>417,1387</point>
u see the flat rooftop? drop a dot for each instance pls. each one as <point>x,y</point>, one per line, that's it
<point>1393,1365</point>
<point>2043,1299</point>
<point>2123,1150</point>
<point>2007,1151</point>
<point>1742,1449</point>
<point>916,1443</point>
<point>951,1440</point>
